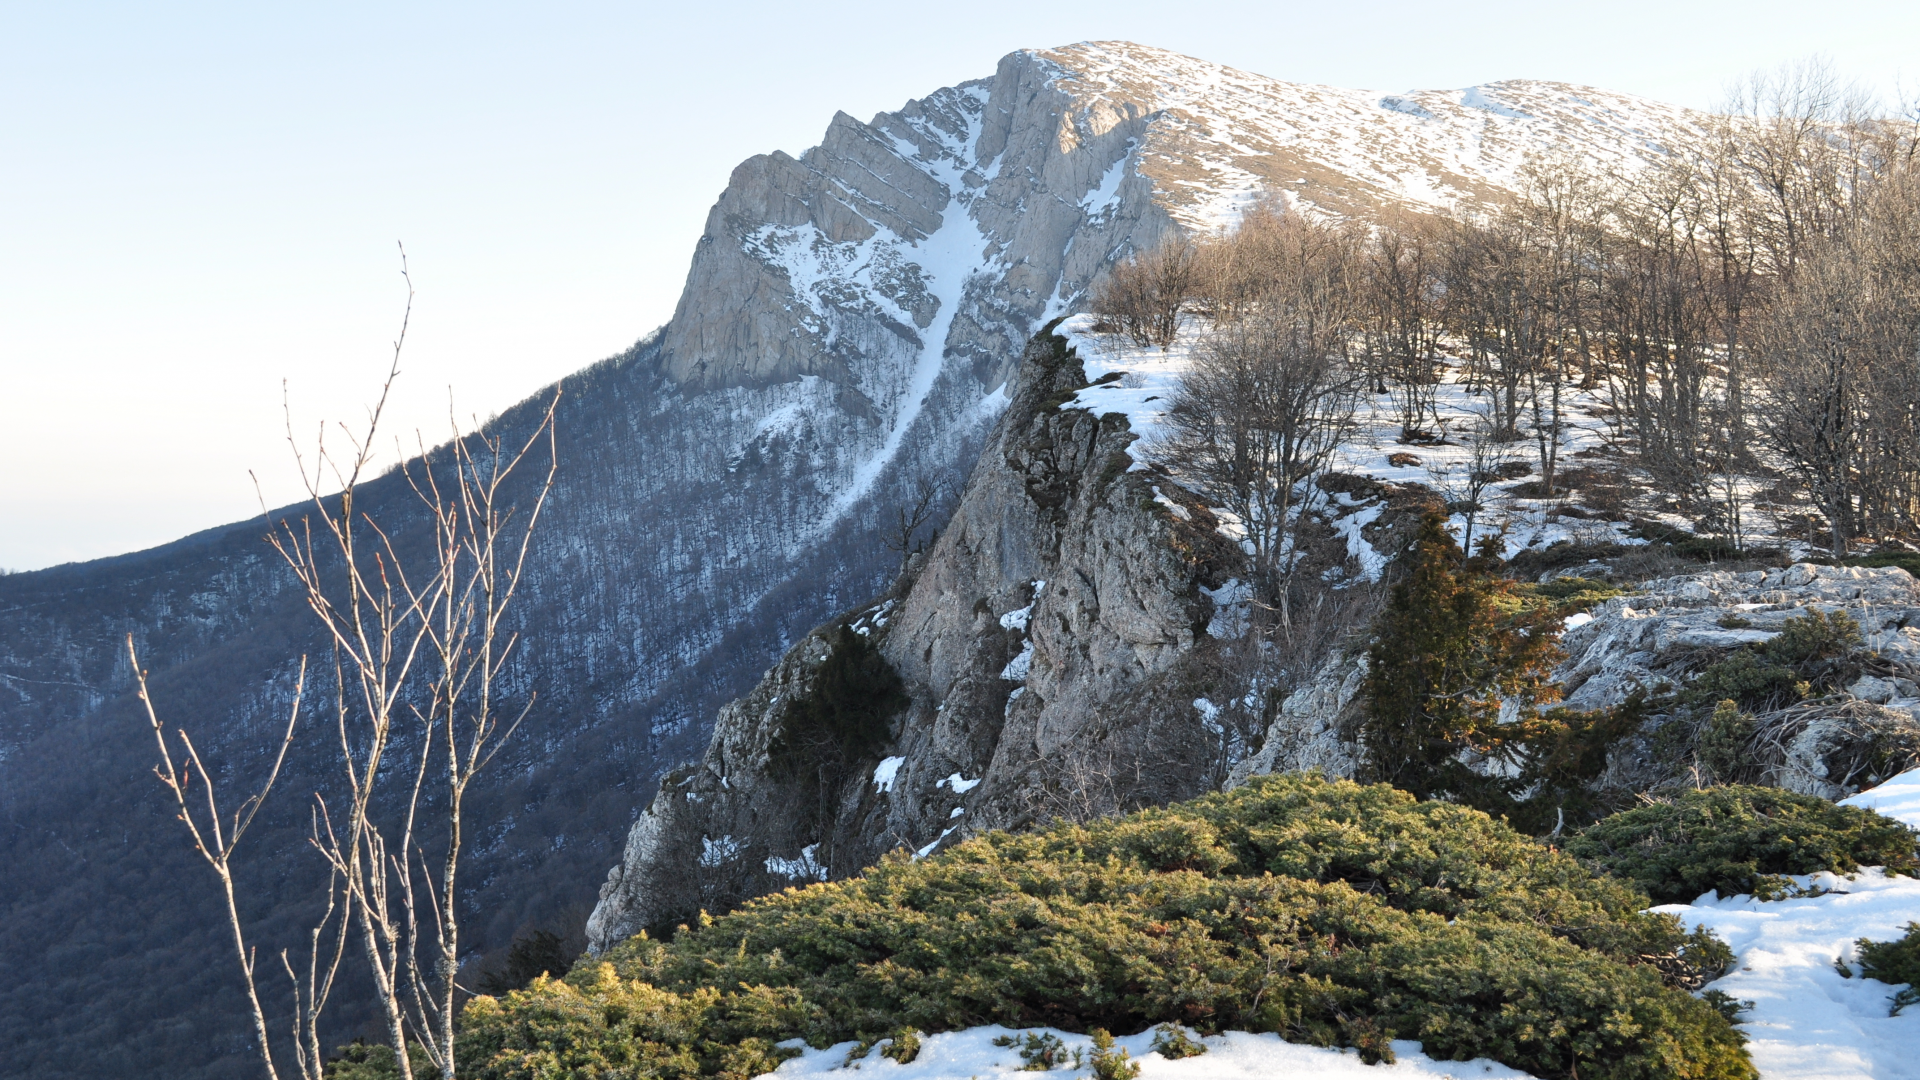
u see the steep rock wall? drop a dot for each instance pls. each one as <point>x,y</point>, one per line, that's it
<point>1043,641</point>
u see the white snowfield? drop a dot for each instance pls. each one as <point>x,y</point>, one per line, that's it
<point>1240,136</point>
<point>1232,1055</point>
<point>1807,1021</point>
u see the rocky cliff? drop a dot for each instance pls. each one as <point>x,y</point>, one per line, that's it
<point>1042,642</point>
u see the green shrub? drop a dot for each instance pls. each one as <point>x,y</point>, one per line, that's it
<point>1330,913</point>
<point>1746,679</point>
<point>1455,648</point>
<point>1108,1063</point>
<point>1172,1042</point>
<point>903,1046</point>
<point>1896,962</point>
<point>1726,743</point>
<point>1574,593</point>
<point>1808,655</point>
<point>541,952</point>
<point>1814,636</point>
<point>844,719</point>
<point>1738,839</point>
<point>1905,560</point>
<point>361,1060</point>
<point>1039,1050</point>
<point>1446,653</point>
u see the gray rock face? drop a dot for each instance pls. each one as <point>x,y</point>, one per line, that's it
<point>1042,641</point>
<point>1631,637</point>
<point>1315,726</point>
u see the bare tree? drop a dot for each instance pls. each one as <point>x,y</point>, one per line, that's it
<point>1144,296</point>
<point>216,835</point>
<point>1465,487</point>
<point>902,533</point>
<point>1660,330</point>
<point>1838,352</point>
<point>1269,398</point>
<point>1402,308</point>
<point>419,638</point>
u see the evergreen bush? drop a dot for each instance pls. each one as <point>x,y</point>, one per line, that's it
<point>1458,672</point>
<point>1809,655</point>
<point>844,718</point>
<point>1328,912</point>
<point>532,955</point>
<point>1739,839</point>
<point>1896,962</point>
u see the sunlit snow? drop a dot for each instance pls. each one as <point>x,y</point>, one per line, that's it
<point>1233,1055</point>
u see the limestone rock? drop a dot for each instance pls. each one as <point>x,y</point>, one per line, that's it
<point>1631,640</point>
<point>1041,640</point>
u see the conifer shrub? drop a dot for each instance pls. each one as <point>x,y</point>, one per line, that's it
<point>1905,560</point>
<point>1809,655</point>
<point>846,716</point>
<point>1896,962</point>
<point>361,1060</point>
<point>1458,677</point>
<point>1329,912</point>
<point>1172,1042</point>
<point>541,952</point>
<point>902,1046</point>
<point>1725,743</point>
<point>1107,1063</point>
<point>1738,839</point>
<point>1574,593</point>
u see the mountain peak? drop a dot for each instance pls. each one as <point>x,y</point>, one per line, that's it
<point>1217,137</point>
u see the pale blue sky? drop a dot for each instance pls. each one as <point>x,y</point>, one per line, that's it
<point>200,200</point>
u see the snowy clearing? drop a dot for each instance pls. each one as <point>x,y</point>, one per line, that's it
<point>1140,382</point>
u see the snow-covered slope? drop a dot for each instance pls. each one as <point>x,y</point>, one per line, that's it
<point>1221,137</point>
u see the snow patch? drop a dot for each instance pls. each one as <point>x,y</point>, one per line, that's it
<point>1231,1055</point>
<point>1808,1021</point>
<point>804,868</point>
<point>716,853</point>
<point>1018,667</point>
<point>928,850</point>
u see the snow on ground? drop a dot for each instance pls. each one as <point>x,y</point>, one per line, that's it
<point>1233,1055</point>
<point>1140,384</point>
<point>1897,798</point>
<point>1807,1020</point>
<point>1435,148</point>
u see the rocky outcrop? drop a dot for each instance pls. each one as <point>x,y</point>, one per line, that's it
<point>1043,642</point>
<point>1653,638</point>
<point>1657,639</point>
<point>1315,727</point>
<point>1661,637</point>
